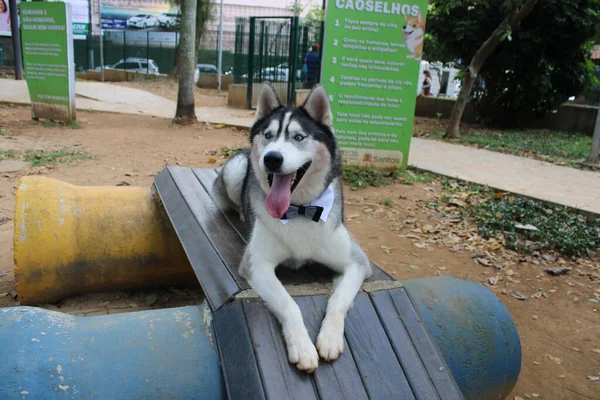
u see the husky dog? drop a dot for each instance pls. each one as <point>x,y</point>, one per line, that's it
<point>288,189</point>
<point>414,34</point>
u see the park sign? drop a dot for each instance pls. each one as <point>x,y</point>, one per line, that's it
<point>371,60</point>
<point>47,42</point>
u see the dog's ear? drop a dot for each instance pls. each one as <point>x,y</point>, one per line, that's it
<point>317,106</point>
<point>268,101</point>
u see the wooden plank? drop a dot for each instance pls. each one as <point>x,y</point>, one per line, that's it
<point>428,351</point>
<point>379,275</point>
<point>238,362</point>
<point>281,379</point>
<point>207,178</point>
<point>224,238</point>
<point>339,379</point>
<point>216,281</point>
<point>408,356</point>
<point>380,370</point>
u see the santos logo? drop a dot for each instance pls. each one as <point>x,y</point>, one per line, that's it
<point>388,160</point>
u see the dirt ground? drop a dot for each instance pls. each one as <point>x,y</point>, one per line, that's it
<point>558,324</point>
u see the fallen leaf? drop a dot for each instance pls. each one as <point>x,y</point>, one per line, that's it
<point>123,183</point>
<point>535,317</point>
<point>509,272</point>
<point>410,220</point>
<point>593,301</point>
<point>593,378</point>
<point>4,220</point>
<point>527,227</point>
<point>519,398</point>
<point>429,189</point>
<point>493,280</point>
<point>562,376</point>
<point>549,257</point>
<point>536,395</point>
<point>368,210</point>
<point>597,351</point>
<point>132,305</point>
<point>3,273</point>
<point>558,271</point>
<point>6,294</point>
<point>420,245</point>
<point>211,160</point>
<point>555,359</point>
<point>151,299</point>
<point>518,296</point>
<point>456,202</point>
<point>537,362</point>
<point>413,267</point>
<point>576,349</point>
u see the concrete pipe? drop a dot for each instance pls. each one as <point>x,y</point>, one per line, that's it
<point>76,239</point>
<point>170,354</point>
<point>158,354</point>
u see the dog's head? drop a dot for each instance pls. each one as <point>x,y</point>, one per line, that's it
<point>413,26</point>
<point>294,153</point>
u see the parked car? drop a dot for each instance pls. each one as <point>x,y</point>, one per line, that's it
<point>142,21</point>
<point>169,20</point>
<point>206,68</point>
<point>132,64</point>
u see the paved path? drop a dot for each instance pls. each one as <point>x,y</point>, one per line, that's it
<point>528,177</point>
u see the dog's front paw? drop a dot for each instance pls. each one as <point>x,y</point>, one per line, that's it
<point>302,352</point>
<point>330,341</point>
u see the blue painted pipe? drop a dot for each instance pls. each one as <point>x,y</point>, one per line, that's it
<point>146,355</point>
<point>474,331</point>
<point>170,354</point>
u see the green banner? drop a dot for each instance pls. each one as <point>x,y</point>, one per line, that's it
<point>47,42</point>
<point>371,58</point>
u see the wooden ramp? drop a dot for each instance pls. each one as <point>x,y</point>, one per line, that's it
<point>389,353</point>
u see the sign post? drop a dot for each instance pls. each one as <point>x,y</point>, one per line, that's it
<point>371,59</point>
<point>47,38</point>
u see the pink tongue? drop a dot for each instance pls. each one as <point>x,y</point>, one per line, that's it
<point>278,199</point>
<point>405,36</point>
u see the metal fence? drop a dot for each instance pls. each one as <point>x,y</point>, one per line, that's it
<point>120,45</point>
<point>272,49</point>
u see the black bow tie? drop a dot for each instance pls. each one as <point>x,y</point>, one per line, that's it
<point>310,212</point>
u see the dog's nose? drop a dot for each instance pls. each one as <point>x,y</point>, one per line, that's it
<point>273,161</point>
<point>404,27</point>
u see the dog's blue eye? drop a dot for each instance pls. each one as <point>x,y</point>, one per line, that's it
<point>299,137</point>
<point>268,135</point>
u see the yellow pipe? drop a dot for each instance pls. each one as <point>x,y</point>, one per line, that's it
<point>79,239</point>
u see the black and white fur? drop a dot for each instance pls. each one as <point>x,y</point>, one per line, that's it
<point>242,185</point>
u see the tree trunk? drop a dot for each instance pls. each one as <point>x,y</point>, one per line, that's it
<point>593,158</point>
<point>203,15</point>
<point>487,48</point>
<point>186,110</point>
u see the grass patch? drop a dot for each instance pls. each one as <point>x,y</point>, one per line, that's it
<point>229,152</point>
<point>387,203</point>
<point>42,157</point>
<point>359,178</point>
<point>560,147</point>
<point>528,225</point>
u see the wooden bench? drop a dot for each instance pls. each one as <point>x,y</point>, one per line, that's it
<point>389,353</point>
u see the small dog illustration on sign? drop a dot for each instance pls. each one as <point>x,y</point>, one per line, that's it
<point>414,33</point>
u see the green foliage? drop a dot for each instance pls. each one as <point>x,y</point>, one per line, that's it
<point>387,202</point>
<point>360,178</point>
<point>556,227</point>
<point>570,148</point>
<point>42,157</point>
<point>229,152</point>
<point>537,66</point>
